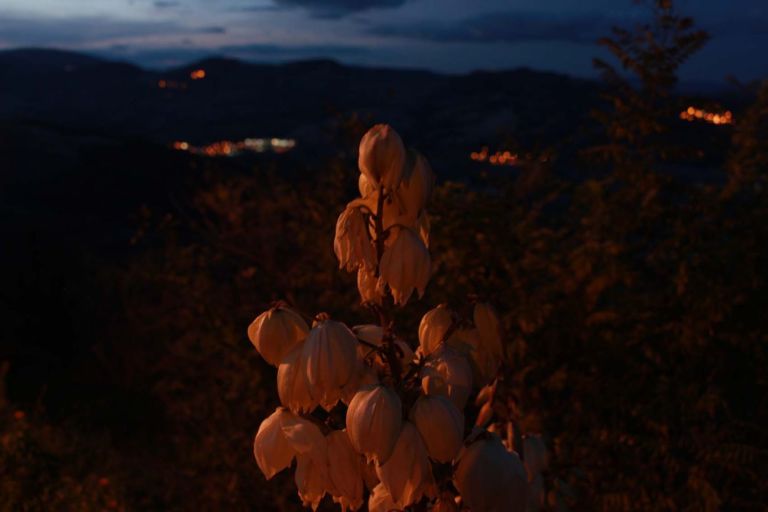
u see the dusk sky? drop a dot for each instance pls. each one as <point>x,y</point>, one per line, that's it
<point>442,35</point>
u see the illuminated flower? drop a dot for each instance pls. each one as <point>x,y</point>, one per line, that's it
<point>331,355</point>
<point>440,424</point>
<point>345,470</point>
<point>272,450</point>
<point>490,479</point>
<point>407,474</point>
<point>489,328</point>
<point>405,265</point>
<point>484,363</point>
<point>292,383</point>
<point>416,186</point>
<point>380,500</point>
<point>275,333</point>
<point>352,246</point>
<point>455,371</point>
<point>312,475</point>
<point>433,328</point>
<point>371,288</point>
<point>382,156</point>
<point>374,418</point>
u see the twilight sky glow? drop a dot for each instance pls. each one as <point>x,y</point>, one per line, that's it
<point>442,35</point>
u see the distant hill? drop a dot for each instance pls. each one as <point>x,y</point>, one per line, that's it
<point>238,99</point>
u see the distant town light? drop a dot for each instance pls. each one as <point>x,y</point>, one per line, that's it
<point>197,74</point>
<point>716,118</point>
<point>497,158</point>
<point>233,148</point>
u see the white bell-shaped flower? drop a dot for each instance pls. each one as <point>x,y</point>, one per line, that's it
<point>490,479</point>
<point>331,355</point>
<point>440,424</point>
<point>455,370</point>
<point>292,383</point>
<point>273,451</point>
<point>374,419</point>
<point>489,328</point>
<point>416,186</point>
<point>380,500</point>
<point>407,474</point>
<point>433,327</point>
<point>484,363</point>
<point>370,287</point>
<point>382,156</point>
<point>312,475</point>
<point>405,265</point>
<point>275,333</point>
<point>351,244</point>
<point>345,470</point>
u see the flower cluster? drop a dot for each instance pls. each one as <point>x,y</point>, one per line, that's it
<point>365,413</point>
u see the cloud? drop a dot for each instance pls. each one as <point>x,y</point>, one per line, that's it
<point>212,30</point>
<point>18,31</point>
<point>339,8</point>
<point>504,27</point>
<point>166,4</point>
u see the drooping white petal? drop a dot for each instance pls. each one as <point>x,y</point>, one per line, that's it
<point>405,265</point>
<point>433,327</point>
<point>490,479</point>
<point>407,474</point>
<point>331,355</point>
<point>416,186</point>
<point>345,470</point>
<point>370,287</point>
<point>440,424</point>
<point>292,383</point>
<point>275,333</point>
<point>273,452</point>
<point>374,418</point>
<point>352,244</point>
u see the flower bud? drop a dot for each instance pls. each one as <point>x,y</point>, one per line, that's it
<point>292,383</point>
<point>380,500</point>
<point>331,355</point>
<point>351,244</point>
<point>433,328</point>
<point>370,287</point>
<point>374,418</point>
<point>405,265</point>
<point>272,450</point>
<point>490,479</point>
<point>440,424</point>
<point>275,333</point>
<point>455,371</point>
<point>345,470</point>
<point>407,474</point>
<point>489,328</point>
<point>382,156</point>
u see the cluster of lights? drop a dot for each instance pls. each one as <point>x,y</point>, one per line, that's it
<point>497,158</point>
<point>697,114</point>
<point>197,74</point>
<point>233,148</point>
